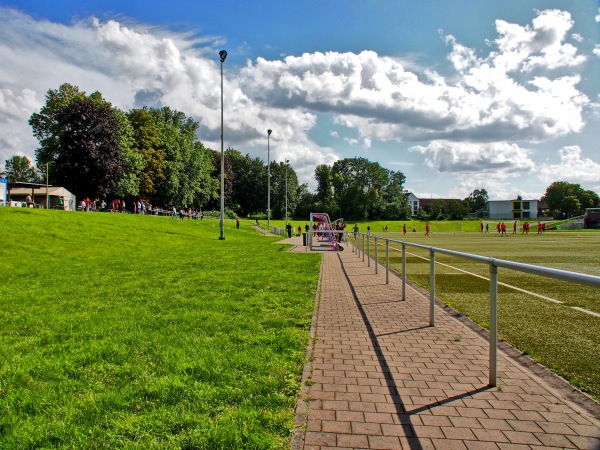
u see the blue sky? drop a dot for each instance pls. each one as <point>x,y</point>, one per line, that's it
<point>458,95</point>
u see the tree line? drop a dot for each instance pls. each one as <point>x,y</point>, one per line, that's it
<point>96,150</point>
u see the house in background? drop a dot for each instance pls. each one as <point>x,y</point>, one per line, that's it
<point>513,209</point>
<point>413,202</point>
<point>3,191</point>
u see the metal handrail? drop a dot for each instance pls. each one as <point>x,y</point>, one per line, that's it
<point>493,263</point>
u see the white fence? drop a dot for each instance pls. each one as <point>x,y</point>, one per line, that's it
<point>362,245</point>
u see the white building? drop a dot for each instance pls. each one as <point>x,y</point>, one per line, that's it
<point>3,192</point>
<point>513,209</point>
<point>413,203</point>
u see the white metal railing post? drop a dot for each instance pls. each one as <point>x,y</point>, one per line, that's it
<point>431,288</point>
<point>387,261</point>
<point>493,324</point>
<point>403,271</point>
<point>363,248</point>
<point>376,259</point>
<point>368,251</point>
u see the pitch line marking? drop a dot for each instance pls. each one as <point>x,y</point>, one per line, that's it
<point>553,300</point>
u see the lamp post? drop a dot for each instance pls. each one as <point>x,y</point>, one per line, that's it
<point>223,56</point>
<point>47,200</point>
<point>269,179</point>
<point>287,161</point>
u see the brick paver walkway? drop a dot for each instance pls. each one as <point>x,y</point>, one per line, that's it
<point>380,378</point>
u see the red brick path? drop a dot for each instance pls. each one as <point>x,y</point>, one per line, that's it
<point>381,378</point>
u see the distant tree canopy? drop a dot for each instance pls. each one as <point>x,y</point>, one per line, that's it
<point>358,189</point>
<point>17,168</point>
<point>477,200</point>
<point>569,198</point>
<point>97,150</point>
<point>100,151</point>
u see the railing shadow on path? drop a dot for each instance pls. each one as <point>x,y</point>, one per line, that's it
<point>403,413</point>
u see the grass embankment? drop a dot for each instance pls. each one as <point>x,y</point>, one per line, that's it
<point>122,331</point>
<point>562,338</point>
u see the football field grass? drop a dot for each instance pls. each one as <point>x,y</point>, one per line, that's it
<point>536,315</point>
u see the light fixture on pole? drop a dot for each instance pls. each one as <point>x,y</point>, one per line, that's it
<point>287,161</point>
<point>269,179</point>
<point>223,56</point>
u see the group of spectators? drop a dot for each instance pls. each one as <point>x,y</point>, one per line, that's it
<point>137,207</point>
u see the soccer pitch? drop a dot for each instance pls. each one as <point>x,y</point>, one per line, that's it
<point>554,322</point>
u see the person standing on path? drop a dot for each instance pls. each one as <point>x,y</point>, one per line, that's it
<point>427,229</point>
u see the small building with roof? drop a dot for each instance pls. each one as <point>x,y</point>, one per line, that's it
<point>18,192</point>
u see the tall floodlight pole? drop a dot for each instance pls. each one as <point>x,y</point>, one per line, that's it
<point>287,161</point>
<point>223,56</point>
<point>269,179</point>
<point>47,197</point>
<point>47,205</point>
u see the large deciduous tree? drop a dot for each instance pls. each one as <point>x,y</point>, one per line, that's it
<point>358,184</point>
<point>249,184</point>
<point>395,205</point>
<point>45,125</point>
<point>146,142</point>
<point>188,164</point>
<point>324,194</point>
<point>88,156</point>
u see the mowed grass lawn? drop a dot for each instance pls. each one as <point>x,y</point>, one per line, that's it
<point>555,334</point>
<point>122,331</point>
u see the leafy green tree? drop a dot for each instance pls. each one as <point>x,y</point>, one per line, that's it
<point>134,162</point>
<point>436,209</point>
<point>456,209</point>
<point>477,200</point>
<point>249,183</point>
<point>146,142</point>
<point>278,183</point>
<point>188,165</point>
<point>570,204</point>
<point>395,202</point>
<point>324,195</point>
<point>88,156</point>
<point>45,125</point>
<point>422,214</point>
<point>214,202</point>
<point>358,184</point>
<point>589,199</point>
<point>557,193</point>
<point>17,168</point>
<point>305,204</point>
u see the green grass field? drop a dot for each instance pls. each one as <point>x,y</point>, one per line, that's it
<point>562,338</point>
<point>122,331</point>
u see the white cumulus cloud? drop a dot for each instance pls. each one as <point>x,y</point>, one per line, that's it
<point>572,166</point>
<point>525,89</point>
